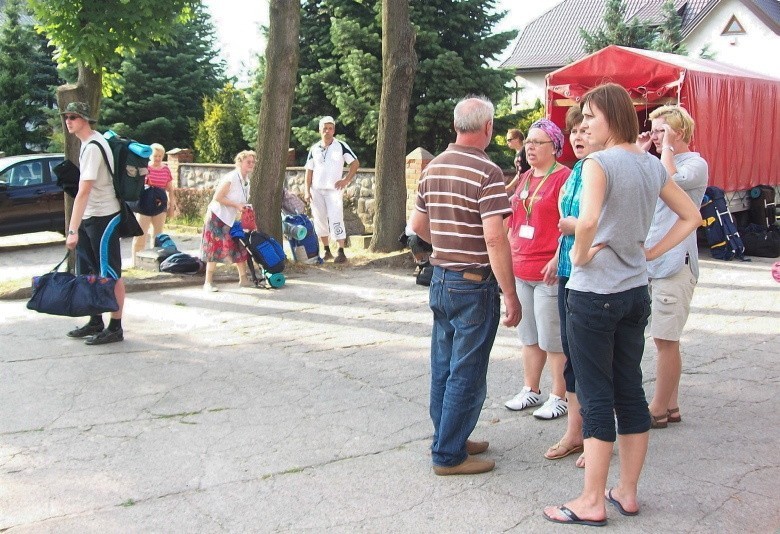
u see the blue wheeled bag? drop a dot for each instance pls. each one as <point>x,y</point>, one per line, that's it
<point>267,251</point>
<point>306,250</point>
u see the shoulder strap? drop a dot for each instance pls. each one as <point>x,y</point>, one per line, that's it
<point>105,156</point>
<point>108,166</point>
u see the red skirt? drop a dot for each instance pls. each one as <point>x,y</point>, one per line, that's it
<point>217,245</point>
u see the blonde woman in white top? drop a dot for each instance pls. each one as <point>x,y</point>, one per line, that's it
<point>230,198</point>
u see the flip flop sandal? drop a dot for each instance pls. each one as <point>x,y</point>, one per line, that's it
<point>561,451</point>
<point>573,519</point>
<point>617,504</point>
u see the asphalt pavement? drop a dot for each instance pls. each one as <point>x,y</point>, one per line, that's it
<point>304,409</point>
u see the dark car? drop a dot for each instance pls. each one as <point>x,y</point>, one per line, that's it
<point>30,200</point>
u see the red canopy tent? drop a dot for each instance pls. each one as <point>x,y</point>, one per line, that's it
<point>737,112</point>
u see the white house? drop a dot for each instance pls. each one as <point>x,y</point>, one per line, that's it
<point>744,33</point>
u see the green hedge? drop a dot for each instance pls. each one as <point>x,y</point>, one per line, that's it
<point>191,203</point>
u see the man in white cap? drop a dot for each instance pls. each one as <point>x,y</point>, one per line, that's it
<point>325,182</point>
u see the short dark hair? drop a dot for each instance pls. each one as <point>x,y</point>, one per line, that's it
<point>573,117</point>
<point>618,109</point>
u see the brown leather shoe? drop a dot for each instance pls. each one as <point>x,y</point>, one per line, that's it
<point>476,447</point>
<point>469,466</point>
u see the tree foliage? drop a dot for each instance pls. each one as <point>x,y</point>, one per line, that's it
<point>26,72</point>
<point>161,89</point>
<point>664,37</point>
<point>617,31</point>
<point>93,32</point>
<point>218,137</point>
<point>669,36</point>
<point>340,68</point>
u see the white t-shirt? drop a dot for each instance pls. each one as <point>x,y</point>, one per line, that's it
<point>327,163</point>
<point>102,199</point>
<point>238,192</point>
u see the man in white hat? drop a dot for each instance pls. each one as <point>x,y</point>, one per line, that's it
<point>325,182</point>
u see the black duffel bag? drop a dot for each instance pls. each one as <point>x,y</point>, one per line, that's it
<point>71,295</point>
<point>761,241</point>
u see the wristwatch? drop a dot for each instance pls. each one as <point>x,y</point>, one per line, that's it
<point>72,232</point>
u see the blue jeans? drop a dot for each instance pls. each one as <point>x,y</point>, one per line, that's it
<point>568,369</point>
<point>606,339</point>
<point>465,321</point>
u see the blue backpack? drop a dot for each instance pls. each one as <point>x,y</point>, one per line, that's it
<point>181,263</point>
<point>722,236</point>
<point>267,252</point>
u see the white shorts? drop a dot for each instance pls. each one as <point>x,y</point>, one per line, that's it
<point>327,210</point>
<point>541,323</point>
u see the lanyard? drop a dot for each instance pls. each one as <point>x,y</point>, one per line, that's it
<point>528,206</point>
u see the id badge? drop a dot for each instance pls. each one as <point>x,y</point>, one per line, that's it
<point>526,231</point>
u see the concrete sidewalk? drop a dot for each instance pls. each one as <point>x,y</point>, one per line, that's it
<point>304,409</point>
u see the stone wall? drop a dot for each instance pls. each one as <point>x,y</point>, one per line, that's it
<point>359,203</point>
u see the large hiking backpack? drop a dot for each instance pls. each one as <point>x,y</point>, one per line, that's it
<point>722,236</point>
<point>130,165</point>
<point>267,252</point>
<point>306,249</point>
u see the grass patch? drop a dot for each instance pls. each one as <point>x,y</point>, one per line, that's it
<point>128,503</point>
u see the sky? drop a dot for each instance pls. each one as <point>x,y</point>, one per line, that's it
<point>237,23</point>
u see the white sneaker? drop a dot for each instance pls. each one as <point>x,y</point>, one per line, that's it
<point>210,288</point>
<point>553,407</point>
<point>525,399</point>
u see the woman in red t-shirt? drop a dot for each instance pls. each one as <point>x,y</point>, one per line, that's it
<point>533,235</point>
<point>159,177</point>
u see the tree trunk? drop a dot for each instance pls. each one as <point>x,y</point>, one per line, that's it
<point>273,129</point>
<point>88,88</point>
<point>399,63</point>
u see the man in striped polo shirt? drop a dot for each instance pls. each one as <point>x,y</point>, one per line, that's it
<point>460,209</point>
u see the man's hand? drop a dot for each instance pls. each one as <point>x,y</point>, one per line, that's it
<point>71,241</point>
<point>307,196</point>
<point>344,182</point>
<point>513,312</point>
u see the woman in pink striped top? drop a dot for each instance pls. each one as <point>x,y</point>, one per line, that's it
<point>160,177</point>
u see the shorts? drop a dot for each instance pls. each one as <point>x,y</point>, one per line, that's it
<point>671,304</point>
<point>98,249</point>
<point>327,212</point>
<point>541,323</point>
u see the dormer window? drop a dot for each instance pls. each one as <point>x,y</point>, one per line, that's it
<point>733,27</point>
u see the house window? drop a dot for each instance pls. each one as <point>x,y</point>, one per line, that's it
<point>733,27</point>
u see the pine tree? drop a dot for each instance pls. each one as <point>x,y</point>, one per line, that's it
<point>617,31</point>
<point>25,72</point>
<point>162,89</point>
<point>669,37</point>
<point>340,68</point>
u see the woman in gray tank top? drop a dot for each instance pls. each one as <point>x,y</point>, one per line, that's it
<point>608,304</point>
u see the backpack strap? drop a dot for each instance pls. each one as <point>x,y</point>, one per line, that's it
<point>108,165</point>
